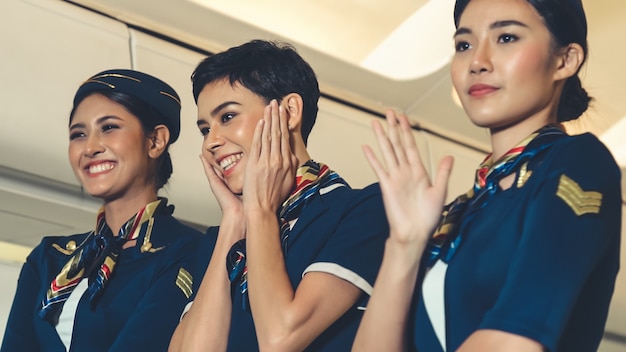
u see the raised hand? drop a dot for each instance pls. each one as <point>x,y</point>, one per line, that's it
<point>228,202</point>
<point>271,168</point>
<point>412,203</point>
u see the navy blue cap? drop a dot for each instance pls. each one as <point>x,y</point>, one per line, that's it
<point>149,89</point>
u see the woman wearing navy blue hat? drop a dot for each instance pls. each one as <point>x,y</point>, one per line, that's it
<point>526,260</point>
<point>120,287</point>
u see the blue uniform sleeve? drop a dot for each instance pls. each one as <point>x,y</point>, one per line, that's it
<point>204,251</point>
<point>153,321</point>
<point>20,331</point>
<point>355,251</point>
<point>564,270</point>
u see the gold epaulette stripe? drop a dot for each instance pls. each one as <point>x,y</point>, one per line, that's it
<point>524,175</point>
<point>184,281</point>
<point>581,202</point>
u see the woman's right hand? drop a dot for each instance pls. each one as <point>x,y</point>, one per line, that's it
<point>227,200</point>
<point>412,203</point>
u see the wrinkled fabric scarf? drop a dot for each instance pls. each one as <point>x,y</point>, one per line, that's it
<point>310,178</point>
<point>100,250</point>
<point>457,215</point>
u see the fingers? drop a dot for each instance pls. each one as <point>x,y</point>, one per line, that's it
<point>275,136</point>
<point>397,145</point>
<point>409,145</point>
<point>398,148</point>
<point>274,131</point>
<point>395,139</point>
<point>259,137</point>
<point>209,169</point>
<point>269,173</point>
<point>443,174</point>
<point>389,156</point>
<point>376,166</point>
<point>285,147</point>
<point>216,181</point>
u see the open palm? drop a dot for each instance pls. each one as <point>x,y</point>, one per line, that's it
<point>413,203</point>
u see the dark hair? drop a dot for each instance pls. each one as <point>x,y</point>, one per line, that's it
<point>566,21</point>
<point>269,69</point>
<point>149,118</point>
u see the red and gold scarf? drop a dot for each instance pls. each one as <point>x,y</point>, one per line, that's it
<point>100,250</point>
<point>310,178</point>
<point>456,215</point>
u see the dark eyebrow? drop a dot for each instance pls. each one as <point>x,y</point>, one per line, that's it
<point>497,24</point>
<point>104,119</point>
<point>215,111</point>
<point>221,106</point>
<point>100,121</point>
<point>77,125</point>
<point>506,23</point>
<point>462,30</point>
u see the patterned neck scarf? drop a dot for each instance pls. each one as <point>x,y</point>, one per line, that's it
<point>457,215</point>
<point>100,250</point>
<point>310,178</point>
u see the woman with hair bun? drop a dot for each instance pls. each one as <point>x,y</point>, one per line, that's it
<point>526,260</point>
<point>122,286</point>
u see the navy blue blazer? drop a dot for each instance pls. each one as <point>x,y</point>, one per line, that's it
<point>139,309</point>
<point>539,259</point>
<point>341,232</point>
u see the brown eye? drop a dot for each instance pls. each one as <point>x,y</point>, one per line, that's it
<point>507,38</point>
<point>462,46</point>
<point>109,127</point>
<point>204,131</point>
<point>76,134</point>
<point>227,117</point>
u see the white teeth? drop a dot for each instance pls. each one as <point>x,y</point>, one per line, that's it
<point>94,169</point>
<point>230,161</point>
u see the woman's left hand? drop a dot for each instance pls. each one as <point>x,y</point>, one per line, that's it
<point>271,168</point>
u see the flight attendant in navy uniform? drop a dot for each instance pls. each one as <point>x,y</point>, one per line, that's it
<point>120,287</point>
<point>527,259</point>
<point>301,247</point>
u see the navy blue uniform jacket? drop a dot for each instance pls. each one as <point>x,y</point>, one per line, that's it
<point>540,259</point>
<point>341,232</point>
<point>139,309</point>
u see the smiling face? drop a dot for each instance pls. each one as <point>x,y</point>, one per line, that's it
<point>504,66</point>
<point>108,150</point>
<point>227,117</point>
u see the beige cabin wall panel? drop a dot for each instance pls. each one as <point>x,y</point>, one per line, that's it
<point>338,137</point>
<point>9,272</point>
<point>48,48</point>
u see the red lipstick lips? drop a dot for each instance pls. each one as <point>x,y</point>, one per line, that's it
<point>479,90</point>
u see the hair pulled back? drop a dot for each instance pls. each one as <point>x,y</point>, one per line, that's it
<point>567,23</point>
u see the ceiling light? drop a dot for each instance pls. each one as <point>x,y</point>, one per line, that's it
<point>418,47</point>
